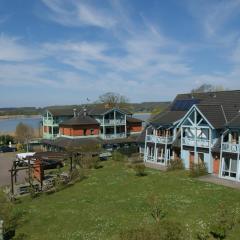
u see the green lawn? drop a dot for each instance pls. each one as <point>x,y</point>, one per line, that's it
<point>113,199</point>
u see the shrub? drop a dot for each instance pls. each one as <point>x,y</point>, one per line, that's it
<point>20,236</point>
<point>169,230</point>
<point>76,175</point>
<point>141,233</point>
<point>156,208</point>
<point>118,156</point>
<point>140,170</point>
<point>175,164</point>
<point>135,158</point>
<point>11,217</point>
<point>88,162</point>
<point>128,151</point>
<point>197,170</point>
<point>223,222</point>
<point>165,230</point>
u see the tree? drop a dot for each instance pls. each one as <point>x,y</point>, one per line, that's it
<point>208,88</point>
<point>114,99</point>
<point>24,133</point>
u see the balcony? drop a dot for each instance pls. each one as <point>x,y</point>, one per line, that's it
<point>230,147</point>
<point>112,122</point>
<point>113,136</point>
<point>159,139</point>
<point>200,142</point>
<point>50,136</point>
<point>49,122</point>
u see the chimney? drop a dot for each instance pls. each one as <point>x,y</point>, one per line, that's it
<point>85,111</point>
<point>74,112</point>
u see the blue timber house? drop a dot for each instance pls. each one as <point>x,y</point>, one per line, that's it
<point>198,128</point>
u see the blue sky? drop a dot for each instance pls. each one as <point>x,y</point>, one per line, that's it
<point>64,51</point>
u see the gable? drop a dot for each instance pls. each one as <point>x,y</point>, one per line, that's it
<point>195,118</point>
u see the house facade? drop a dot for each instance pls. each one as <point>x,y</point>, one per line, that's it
<point>102,122</point>
<point>198,128</point>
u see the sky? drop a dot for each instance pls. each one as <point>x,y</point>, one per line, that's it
<point>55,52</point>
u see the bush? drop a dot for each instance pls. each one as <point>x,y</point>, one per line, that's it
<point>222,223</point>
<point>140,170</point>
<point>88,162</point>
<point>197,170</point>
<point>165,230</point>
<point>20,236</point>
<point>128,151</point>
<point>11,217</point>
<point>135,158</point>
<point>76,175</point>
<point>175,164</point>
<point>118,156</point>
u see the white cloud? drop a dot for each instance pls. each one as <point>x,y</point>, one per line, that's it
<point>12,50</point>
<point>214,17</point>
<point>76,13</point>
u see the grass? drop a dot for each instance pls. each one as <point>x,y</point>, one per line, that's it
<point>113,199</point>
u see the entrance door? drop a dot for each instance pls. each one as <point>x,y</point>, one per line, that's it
<point>229,168</point>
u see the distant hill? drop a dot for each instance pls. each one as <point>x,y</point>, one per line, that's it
<point>144,107</point>
<point>148,107</point>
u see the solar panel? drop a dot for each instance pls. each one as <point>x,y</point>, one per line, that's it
<point>184,105</point>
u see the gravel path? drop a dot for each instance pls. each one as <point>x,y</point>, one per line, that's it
<point>220,181</point>
<point>6,160</point>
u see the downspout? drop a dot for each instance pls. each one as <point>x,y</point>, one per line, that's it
<point>145,147</point>
<point>165,155</point>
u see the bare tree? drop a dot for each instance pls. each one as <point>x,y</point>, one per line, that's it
<point>114,99</point>
<point>24,133</point>
<point>208,88</point>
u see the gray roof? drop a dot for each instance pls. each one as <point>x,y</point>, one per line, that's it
<point>134,120</point>
<point>167,118</point>
<point>93,110</point>
<point>227,105</point>
<point>235,122</point>
<point>102,109</point>
<point>56,112</point>
<point>214,114</point>
<point>63,142</point>
<point>80,120</point>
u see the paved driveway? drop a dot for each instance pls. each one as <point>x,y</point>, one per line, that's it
<point>6,160</point>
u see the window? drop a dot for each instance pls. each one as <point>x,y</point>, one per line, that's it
<point>229,168</point>
<point>85,132</point>
<point>92,131</point>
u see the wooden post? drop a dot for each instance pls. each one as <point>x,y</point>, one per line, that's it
<point>12,186</point>
<point>15,172</point>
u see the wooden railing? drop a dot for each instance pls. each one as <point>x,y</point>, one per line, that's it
<point>159,139</point>
<point>230,147</point>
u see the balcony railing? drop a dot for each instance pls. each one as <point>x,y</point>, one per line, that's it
<point>113,136</point>
<point>230,147</point>
<point>159,139</point>
<point>50,122</point>
<point>50,136</point>
<point>200,142</point>
<point>112,121</point>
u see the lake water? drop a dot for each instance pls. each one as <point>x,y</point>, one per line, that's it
<point>9,125</point>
